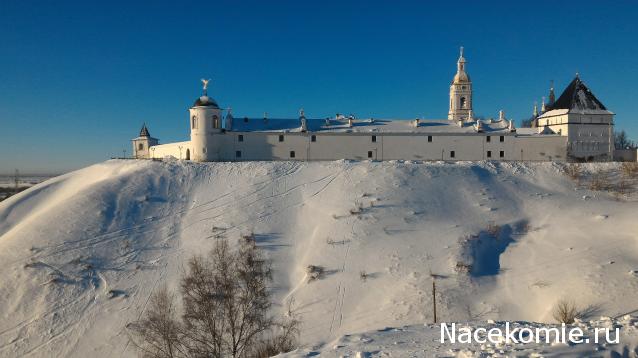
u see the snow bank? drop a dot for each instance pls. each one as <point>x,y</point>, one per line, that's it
<point>82,252</point>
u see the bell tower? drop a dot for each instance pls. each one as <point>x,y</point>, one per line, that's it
<point>460,93</point>
<point>205,123</point>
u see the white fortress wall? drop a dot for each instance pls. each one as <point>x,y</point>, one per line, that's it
<point>171,150</point>
<point>388,146</point>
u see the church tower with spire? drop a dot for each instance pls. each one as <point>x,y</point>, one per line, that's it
<point>460,93</point>
<point>142,144</point>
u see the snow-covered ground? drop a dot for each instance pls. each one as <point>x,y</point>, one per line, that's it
<point>82,252</point>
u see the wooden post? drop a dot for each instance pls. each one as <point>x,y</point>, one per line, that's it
<point>434,297</point>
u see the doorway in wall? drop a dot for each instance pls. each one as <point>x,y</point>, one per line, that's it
<point>188,154</point>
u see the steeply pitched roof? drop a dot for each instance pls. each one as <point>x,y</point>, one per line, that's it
<point>144,131</point>
<point>577,97</point>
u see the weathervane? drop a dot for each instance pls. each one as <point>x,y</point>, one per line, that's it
<point>205,82</point>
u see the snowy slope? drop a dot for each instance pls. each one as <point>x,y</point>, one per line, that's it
<point>81,253</point>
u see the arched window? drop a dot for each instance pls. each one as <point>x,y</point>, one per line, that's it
<point>140,146</point>
<point>215,121</point>
<point>463,102</point>
<point>194,122</point>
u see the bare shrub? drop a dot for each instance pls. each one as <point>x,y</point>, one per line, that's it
<point>356,210</point>
<point>493,229</point>
<point>463,267</point>
<point>565,312</point>
<point>629,169</point>
<point>599,181</point>
<point>363,276</point>
<point>314,272</point>
<point>226,305</point>
<point>574,171</point>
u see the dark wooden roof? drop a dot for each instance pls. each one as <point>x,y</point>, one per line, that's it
<point>578,97</point>
<point>144,131</point>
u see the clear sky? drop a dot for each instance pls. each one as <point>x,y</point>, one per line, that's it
<point>78,79</point>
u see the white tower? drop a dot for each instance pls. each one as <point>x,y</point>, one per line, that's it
<point>460,93</point>
<point>205,122</point>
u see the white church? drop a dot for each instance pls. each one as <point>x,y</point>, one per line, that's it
<point>575,127</point>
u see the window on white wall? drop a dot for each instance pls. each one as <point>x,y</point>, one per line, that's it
<point>313,138</point>
<point>238,154</point>
<point>240,138</point>
<point>501,154</point>
<point>452,154</point>
<point>281,138</point>
<point>292,154</point>
<point>489,154</point>
<point>140,146</point>
<point>374,139</point>
<point>194,122</point>
<point>429,138</point>
<point>369,154</point>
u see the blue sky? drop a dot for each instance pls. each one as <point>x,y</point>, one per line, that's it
<point>77,79</point>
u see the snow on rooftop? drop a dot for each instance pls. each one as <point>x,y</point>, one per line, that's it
<point>364,125</point>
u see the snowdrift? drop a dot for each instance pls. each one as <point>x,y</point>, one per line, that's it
<point>81,253</point>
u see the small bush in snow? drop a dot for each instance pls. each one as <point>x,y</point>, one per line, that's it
<point>363,276</point>
<point>314,272</point>
<point>629,169</point>
<point>462,267</point>
<point>565,312</point>
<point>493,229</point>
<point>357,209</point>
<point>599,181</point>
<point>574,171</point>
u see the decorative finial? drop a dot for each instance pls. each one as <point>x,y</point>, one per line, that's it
<point>461,51</point>
<point>302,113</point>
<point>577,75</point>
<point>205,82</point>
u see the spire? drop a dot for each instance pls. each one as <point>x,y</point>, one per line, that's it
<point>543,108</point>
<point>461,75</point>
<point>535,113</point>
<point>144,131</point>
<point>552,96</point>
<point>461,62</point>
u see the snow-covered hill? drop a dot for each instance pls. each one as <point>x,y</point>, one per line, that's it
<point>81,253</point>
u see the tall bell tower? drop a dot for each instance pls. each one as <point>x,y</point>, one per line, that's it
<point>460,93</point>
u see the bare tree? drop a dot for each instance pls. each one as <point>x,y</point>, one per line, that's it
<point>621,141</point>
<point>161,334</point>
<point>226,304</point>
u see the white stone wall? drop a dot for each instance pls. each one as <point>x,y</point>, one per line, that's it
<point>359,146</point>
<point>178,150</point>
